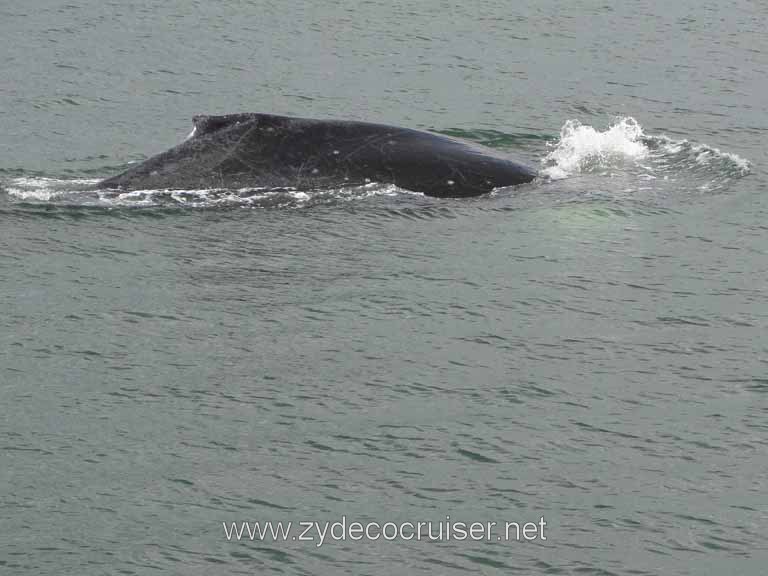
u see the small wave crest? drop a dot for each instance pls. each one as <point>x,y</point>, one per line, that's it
<point>42,189</point>
<point>85,192</point>
<point>581,148</point>
<point>625,147</point>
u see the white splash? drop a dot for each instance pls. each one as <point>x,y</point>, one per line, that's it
<point>40,189</point>
<point>581,147</point>
<point>85,192</point>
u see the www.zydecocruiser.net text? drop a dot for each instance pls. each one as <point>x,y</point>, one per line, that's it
<point>343,530</point>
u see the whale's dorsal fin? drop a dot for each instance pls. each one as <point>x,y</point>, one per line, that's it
<point>206,124</point>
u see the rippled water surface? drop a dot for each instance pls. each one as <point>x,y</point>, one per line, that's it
<point>589,348</point>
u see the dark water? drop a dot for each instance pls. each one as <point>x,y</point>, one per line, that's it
<point>590,348</point>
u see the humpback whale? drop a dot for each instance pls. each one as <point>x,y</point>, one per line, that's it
<point>240,151</point>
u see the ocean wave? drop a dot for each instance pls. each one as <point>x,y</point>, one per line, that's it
<point>85,192</point>
<point>624,147</point>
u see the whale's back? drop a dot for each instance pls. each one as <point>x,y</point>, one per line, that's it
<point>263,150</point>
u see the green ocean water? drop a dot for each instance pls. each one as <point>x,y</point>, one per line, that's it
<point>590,348</point>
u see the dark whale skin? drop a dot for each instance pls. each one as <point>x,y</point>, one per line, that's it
<point>240,151</point>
